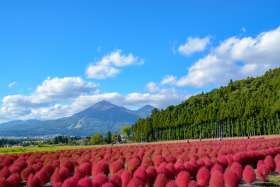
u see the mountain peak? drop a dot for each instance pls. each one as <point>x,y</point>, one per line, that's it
<point>145,110</point>
<point>103,105</point>
<point>146,107</point>
<point>104,102</point>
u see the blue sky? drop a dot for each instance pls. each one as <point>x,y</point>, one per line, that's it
<point>47,48</point>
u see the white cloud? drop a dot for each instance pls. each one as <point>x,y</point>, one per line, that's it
<point>47,95</point>
<point>12,84</point>
<point>63,88</point>
<point>169,79</point>
<point>16,105</point>
<point>235,58</point>
<point>85,101</point>
<point>193,45</point>
<point>61,97</point>
<point>152,87</point>
<point>100,71</point>
<point>209,70</point>
<point>111,64</point>
<point>160,99</point>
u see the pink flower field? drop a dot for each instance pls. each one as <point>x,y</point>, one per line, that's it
<point>183,164</point>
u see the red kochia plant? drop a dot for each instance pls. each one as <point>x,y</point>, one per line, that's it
<point>84,182</point>
<point>222,159</point>
<point>107,184</point>
<point>99,180</point>
<point>230,178</point>
<point>60,174</point>
<point>33,181</point>
<point>64,172</point>
<point>83,170</point>
<point>56,177</point>
<point>7,161</point>
<point>216,179</point>
<point>162,169</point>
<point>183,179</point>
<point>125,177</point>
<point>237,169</point>
<point>57,184</point>
<point>3,182</point>
<point>37,166</point>
<point>42,176</point>
<point>249,174</point>
<point>141,174</point>
<point>161,180</point>
<point>100,168</point>
<point>277,158</point>
<point>133,164</point>
<point>135,182</point>
<point>193,183</point>
<point>269,163</point>
<point>13,180</point>
<point>70,182</point>
<point>171,183</point>
<point>14,168</point>
<point>218,167</point>
<point>151,174</point>
<point>68,164</point>
<point>191,167</point>
<point>171,170</point>
<point>4,172</point>
<point>203,176</point>
<point>277,167</point>
<point>26,172</point>
<point>179,166</point>
<point>116,166</point>
<point>116,180</point>
<point>146,165</point>
<point>262,171</point>
<point>158,159</point>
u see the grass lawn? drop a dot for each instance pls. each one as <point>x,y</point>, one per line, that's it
<point>45,148</point>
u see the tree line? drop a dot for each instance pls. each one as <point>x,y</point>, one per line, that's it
<point>242,108</point>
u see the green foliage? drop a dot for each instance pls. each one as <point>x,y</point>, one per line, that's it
<point>96,139</point>
<point>108,138</point>
<point>8,142</point>
<point>242,108</point>
<point>43,148</point>
<point>126,130</point>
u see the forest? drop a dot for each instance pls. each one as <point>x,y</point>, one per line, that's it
<point>246,107</point>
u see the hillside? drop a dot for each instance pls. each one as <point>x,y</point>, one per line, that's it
<point>244,107</point>
<point>101,117</point>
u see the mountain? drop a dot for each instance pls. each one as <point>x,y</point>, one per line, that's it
<point>145,111</point>
<point>101,117</point>
<point>244,107</point>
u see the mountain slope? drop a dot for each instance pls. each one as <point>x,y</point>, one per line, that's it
<point>145,111</point>
<point>101,117</point>
<point>244,107</point>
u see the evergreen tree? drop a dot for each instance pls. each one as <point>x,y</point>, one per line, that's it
<point>108,138</point>
<point>96,139</point>
<point>244,107</point>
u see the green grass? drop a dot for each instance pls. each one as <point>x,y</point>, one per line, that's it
<point>44,148</point>
<point>273,180</point>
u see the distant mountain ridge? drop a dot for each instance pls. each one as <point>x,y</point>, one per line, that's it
<point>101,117</point>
